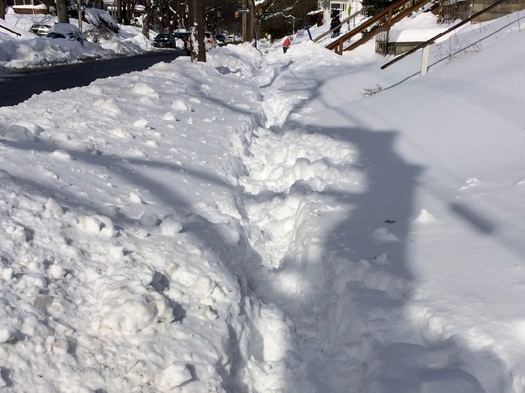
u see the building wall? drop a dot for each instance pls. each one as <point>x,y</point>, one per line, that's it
<point>351,6</point>
<point>29,7</point>
<point>505,8</point>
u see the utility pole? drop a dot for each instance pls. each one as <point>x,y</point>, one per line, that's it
<point>253,16</point>
<point>79,12</point>
<point>244,21</point>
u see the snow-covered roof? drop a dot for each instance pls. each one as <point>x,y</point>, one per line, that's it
<point>413,35</point>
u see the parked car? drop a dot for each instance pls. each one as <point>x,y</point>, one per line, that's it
<point>183,35</point>
<point>233,39</point>
<point>66,31</point>
<point>209,41</point>
<point>164,40</point>
<point>40,29</point>
<point>221,39</point>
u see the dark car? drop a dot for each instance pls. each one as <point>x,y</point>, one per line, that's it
<point>221,39</point>
<point>164,40</point>
<point>183,35</point>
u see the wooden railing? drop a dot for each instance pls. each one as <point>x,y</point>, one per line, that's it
<point>437,36</point>
<point>377,23</point>
<point>347,20</point>
<point>11,31</point>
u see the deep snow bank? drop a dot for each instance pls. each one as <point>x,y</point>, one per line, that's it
<point>122,248</point>
<point>29,50</point>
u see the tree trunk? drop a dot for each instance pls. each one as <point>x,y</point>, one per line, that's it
<point>201,29</point>
<point>252,20</point>
<point>2,9</point>
<point>62,11</point>
<point>146,21</point>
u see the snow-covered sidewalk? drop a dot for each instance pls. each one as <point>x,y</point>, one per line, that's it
<point>255,224</point>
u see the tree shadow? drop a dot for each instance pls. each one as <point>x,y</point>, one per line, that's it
<point>351,318</point>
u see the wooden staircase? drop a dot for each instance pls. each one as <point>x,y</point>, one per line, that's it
<point>382,21</point>
<point>351,18</point>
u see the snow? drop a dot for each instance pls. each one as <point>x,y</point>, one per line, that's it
<point>29,50</point>
<point>261,223</point>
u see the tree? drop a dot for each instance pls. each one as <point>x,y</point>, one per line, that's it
<point>62,11</point>
<point>199,15</point>
<point>126,11</point>
<point>150,10</point>
<point>275,15</point>
<point>2,9</point>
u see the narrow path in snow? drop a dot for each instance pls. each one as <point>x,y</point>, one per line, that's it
<point>307,193</point>
<point>332,224</point>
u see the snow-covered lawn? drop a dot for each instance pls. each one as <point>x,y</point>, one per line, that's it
<point>259,224</point>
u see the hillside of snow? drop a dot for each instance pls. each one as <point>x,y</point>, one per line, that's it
<point>266,223</point>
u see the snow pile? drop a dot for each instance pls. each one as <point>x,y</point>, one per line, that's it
<point>29,50</point>
<point>7,30</point>
<point>102,18</point>
<point>255,224</point>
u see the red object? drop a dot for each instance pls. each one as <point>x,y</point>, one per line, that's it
<point>287,42</point>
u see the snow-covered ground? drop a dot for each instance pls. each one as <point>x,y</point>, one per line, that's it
<point>259,224</point>
<point>19,48</point>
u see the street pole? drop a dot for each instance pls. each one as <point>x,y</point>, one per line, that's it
<point>79,12</point>
<point>252,20</point>
<point>244,22</point>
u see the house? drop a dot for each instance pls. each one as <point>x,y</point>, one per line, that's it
<point>28,7</point>
<point>344,7</point>
<point>503,9</point>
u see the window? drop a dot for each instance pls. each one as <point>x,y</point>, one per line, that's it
<point>341,7</point>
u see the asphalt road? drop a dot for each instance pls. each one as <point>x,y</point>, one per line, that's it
<point>17,86</point>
